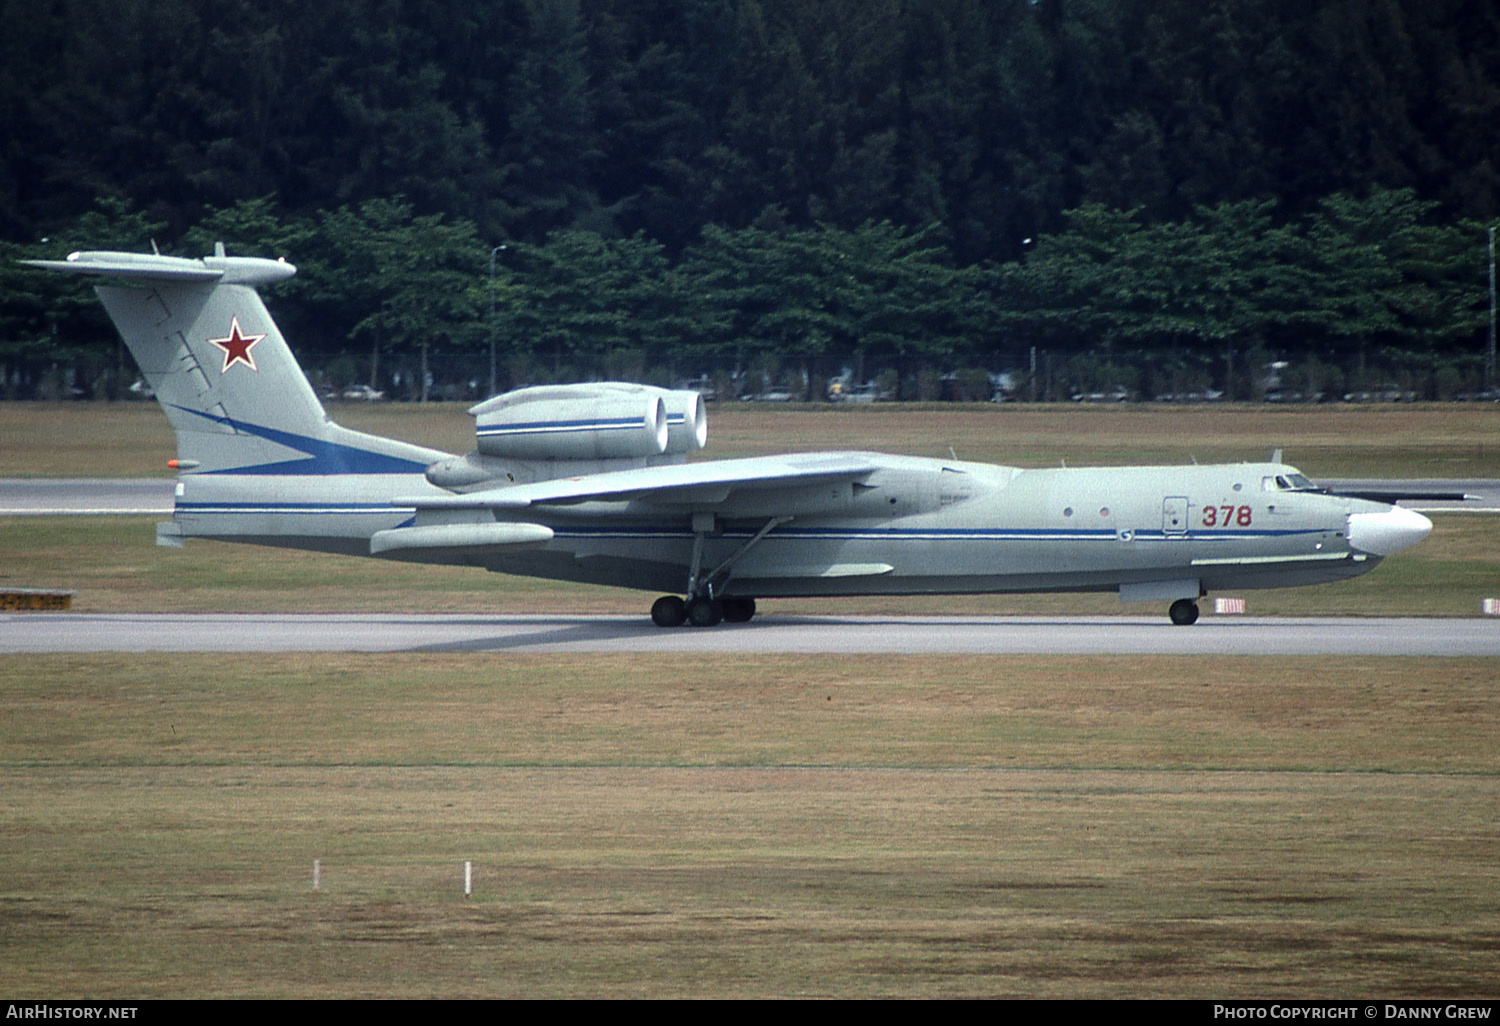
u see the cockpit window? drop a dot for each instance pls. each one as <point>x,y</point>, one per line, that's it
<point>1287,483</point>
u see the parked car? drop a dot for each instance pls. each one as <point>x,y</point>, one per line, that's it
<point>362,393</point>
<point>1118,394</point>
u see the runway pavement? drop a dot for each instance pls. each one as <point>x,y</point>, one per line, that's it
<point>846,635</point>
<point>79,496</point>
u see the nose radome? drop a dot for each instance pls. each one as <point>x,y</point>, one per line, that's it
<point>1382,534</point>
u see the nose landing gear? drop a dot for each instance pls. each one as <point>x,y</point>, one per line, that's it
<point>1184,612</point>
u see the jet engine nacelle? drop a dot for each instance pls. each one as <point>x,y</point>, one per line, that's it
<point>606,420</point>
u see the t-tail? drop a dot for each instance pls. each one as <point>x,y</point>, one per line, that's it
<point>258,458</point>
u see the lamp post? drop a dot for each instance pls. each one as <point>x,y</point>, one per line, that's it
<point>491,322</point>
<point>1489,361</point>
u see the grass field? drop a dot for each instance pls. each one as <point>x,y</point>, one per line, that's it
<point>1421,440</point>
<point>766,826</point>
<point>773,826</point>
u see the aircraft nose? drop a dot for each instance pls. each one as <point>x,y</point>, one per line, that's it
<point>1382,534</point>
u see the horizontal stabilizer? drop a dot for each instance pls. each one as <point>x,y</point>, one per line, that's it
<point>225,270</point>
<point>697,484</point>
<point>458,536</point>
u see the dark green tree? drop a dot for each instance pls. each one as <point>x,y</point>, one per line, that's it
<point>406,284</point>
<point>550,153</point>
<point>585,296</point>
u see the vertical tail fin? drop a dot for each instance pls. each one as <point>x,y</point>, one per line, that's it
<point>236,398</point>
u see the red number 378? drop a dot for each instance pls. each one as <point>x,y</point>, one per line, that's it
<point>1226,516</point>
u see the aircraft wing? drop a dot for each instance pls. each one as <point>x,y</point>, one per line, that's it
<point>1377,491</point>
<point>1394,495</point>
<point>698,485</point>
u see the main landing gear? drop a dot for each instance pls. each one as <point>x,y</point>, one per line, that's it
<point>701,608</point>
<point>701,611</point>
<point>669,611</point>
<point>1184,612</point>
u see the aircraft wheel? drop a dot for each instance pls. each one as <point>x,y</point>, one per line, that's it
<point>738,610</point>
<point>669,611</point>
<point>1184,612</point>
<point>704,612</point>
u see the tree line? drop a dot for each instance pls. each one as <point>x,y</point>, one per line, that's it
<point>1362,292</point>
<point>1164,196</point>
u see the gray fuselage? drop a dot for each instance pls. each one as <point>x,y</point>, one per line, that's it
<point>912,526</point>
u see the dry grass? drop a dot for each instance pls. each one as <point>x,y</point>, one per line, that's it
<point>1421,440</point>
<point>1427,440</point>
<point>1166,827</point>
<point>1369,715</point>
<point>779,826</point>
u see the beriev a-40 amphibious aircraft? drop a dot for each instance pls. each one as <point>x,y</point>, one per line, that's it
<point>592,483</point>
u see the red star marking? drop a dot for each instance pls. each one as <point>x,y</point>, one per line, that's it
<point>237,346</point>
